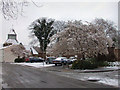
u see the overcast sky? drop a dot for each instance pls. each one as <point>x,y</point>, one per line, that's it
<point>86,11</point>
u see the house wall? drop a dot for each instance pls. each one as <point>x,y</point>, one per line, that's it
<point>1,55</point>
<point>8,55</point>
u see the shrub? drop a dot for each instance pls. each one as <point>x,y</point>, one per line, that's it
<point>103,63</point>
<point>90,63</point>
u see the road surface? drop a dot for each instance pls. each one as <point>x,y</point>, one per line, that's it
<point>0,75</point>
<point>17,76</point>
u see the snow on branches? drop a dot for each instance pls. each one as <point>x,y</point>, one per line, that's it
<point>78,38</point>
<point>11,9</point>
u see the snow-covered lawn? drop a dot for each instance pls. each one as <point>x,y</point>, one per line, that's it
<point>105,80</point>
<point>36,65</point>
<point>112,67</point>
<point>107,77</point>
<point>108,81</point>
<point>114,63</point>
<point>102,77</point>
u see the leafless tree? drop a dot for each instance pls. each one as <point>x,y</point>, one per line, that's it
<point>12,8</point>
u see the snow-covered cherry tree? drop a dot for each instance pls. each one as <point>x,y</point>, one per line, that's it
<point>108,27</point>
<point>79,39</point>
<point>58,26</point>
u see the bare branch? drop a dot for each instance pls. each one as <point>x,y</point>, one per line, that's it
<point>11,9</point>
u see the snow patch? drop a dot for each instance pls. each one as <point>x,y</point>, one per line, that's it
<point>12,31</point>
<point>93,78</point>
<point>105,80</point>
<point>36,65</point>
<point>114,63</point>
<point>108,81</point>
<point>30,48</point>
<point>115,67</point>
<point>34,51</point>
<point>13,41</point>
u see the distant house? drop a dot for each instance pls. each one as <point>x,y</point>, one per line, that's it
<point>35,51</point>
<point>40,53</point>
<point>12,49</point>
<point>9,53</point>
<point>12,38</point>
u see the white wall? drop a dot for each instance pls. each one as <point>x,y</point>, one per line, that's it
<point>1,55</point>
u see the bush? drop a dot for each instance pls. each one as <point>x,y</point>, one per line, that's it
<point>90,63</point>
<point>19,60</point>
<point>102,63</point>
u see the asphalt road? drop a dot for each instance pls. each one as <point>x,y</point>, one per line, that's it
<point>16,76</point>
<point>0,75</point>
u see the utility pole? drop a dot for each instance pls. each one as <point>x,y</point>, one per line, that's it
<point>43,50</point>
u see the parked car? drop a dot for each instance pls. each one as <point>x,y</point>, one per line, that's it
<point>50,60</point>
<point>34,59</point>
<point>27,59</point>
<point>60,60</point>
<point>19,60</point>
<point>72,59</point>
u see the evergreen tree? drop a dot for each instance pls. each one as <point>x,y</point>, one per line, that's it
<point>43,30</point>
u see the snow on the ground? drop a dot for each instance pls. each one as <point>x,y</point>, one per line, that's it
<point>99,78</point>
<point>114,63</point>
<point>110,67</point>
<point>105,80</point>
<point>36,65</point>
<point>108,81</point>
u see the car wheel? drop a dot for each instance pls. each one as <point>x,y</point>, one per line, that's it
<point>55,64</point>
<point>64,63</point>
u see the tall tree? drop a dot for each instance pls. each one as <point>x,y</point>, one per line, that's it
<point>42,29</point>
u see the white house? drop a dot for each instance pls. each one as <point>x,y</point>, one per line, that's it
<point>12,49</point>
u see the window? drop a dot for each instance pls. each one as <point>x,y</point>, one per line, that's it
<point>12,37</point>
